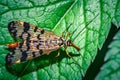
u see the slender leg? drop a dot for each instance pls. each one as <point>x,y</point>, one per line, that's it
<point>74,60</point>
<point>68,33</point>
<point>66,30</point>
<point>58,53</point>
<point>67,53</point>
<point>70,56</point>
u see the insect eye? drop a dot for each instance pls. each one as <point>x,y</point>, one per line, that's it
<point>69,42</point>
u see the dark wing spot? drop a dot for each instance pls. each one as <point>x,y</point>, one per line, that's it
<point>41,52</point>
<point>12,50</point>
<point>33,53</point>
<point>9,58</point>
<point>26,26</point>
<point>13,32</point>
<point>11,24</point>
<point>37,46</point>
<point>24,56</point>
<point>35,29</point>
<point>28,37</point>
<point>38,36</point>
<point>28,45</point>
<point>20,45</point>
<point>42,31</point>
<point>12,28</point>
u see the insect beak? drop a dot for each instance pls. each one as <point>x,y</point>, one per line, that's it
<point>70,43</point>
<point>77,48</point>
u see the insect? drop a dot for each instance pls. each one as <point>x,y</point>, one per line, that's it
<point>35,42</point>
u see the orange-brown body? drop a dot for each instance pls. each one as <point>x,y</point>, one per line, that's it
<point>13,45</point>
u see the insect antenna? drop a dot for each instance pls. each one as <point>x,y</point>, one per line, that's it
<point>68,26</point>
<point>79,33</point>
<point>84,27</point>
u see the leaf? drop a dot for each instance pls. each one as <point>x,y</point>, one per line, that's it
<point>116,14</point>
<point>111,69</point>
<point>90,22</point>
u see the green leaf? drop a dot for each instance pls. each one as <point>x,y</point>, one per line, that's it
<point>90,22</point>
<point>111,69</point>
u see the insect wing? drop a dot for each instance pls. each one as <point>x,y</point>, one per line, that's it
<point>23,52</point>
<point>23,30</point>
<point>35,42</point>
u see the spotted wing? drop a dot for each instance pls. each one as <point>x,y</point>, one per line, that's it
<point>23,30</point>
<point>24,51</point>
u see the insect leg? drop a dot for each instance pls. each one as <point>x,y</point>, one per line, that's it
<point>66,30</point>
<point>68,33</point>
<point>58,53</point>
<point>70,55</point>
